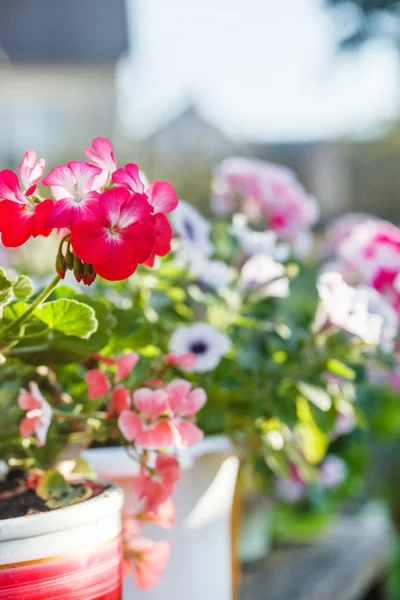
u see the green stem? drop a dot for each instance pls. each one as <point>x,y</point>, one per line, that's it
<point>41,298</point>
<point>80,416</point>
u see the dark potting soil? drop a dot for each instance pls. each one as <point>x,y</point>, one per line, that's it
<point>17,500</point>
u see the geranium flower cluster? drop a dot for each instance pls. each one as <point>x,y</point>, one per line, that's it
<point>268,191</point>
<point>153,421</point>
<point>110,221</point>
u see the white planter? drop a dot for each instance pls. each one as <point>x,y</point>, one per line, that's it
<point>255,531</point>
<point>71,553</point>
<point>200,567</point>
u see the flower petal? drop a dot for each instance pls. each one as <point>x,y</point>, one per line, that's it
<point>177,392</point>
<point>17,223</point>
<point>151,403</point>
<point>162,197</point>
<point>31,168</point>
<point>130,425</point>
<point>98,384</point>
<point>102,154</point>
<point>91,242</point>
<point>9,187</point>
<point>27,426</point>
<point>125,364</point>
<point>189,434</point>
<point>150,563</point>
<point>26,401</point>
<point>159,436</point>
<point>129,178</point>
<point>120,399</point>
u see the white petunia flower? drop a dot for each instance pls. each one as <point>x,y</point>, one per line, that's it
<point>347,308</point>
<point>379,305</point>
<point>207,343</point>
<point>213,273</point>
<point>193,229</point>
<point>262,272</point>
<point>257,242</point>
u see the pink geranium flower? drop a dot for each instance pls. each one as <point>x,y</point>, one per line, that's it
<point>72,185</point>
<point>21,216</point>
<point>118,238</point>
<point>149,430</point>
<point>185,360</point>
<point>128,177</point>
<point>31,169</point>
<point>153,489</point>
<point>184,403</point>
<point>102,155</point>
<point>149,561</point>
<point>38,416</point>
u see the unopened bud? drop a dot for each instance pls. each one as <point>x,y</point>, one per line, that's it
<point>89,274</point>
<point>69,259</point>
<point>61,266</point>
<point>78,268</point>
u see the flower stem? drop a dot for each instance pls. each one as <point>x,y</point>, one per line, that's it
<point>41,298</point>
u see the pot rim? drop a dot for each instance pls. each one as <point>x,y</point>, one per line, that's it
<point>109,502</point>
<point>115,459</point>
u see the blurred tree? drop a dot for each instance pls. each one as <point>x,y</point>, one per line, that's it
<point>374,19</point>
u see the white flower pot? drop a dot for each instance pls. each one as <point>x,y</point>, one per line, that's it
<point>72,553</point>
<point>255,531</point>
<point>200,567</point>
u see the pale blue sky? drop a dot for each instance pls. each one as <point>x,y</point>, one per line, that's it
<point>260,69</point>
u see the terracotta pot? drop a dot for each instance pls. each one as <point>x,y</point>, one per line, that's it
<point>201,562</point>
<point>72,553</point>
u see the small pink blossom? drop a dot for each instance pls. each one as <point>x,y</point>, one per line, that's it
<point>102,154</point>
<point>184,403</point>
<point>38,417</point>
<point>149,561</point>
<point>185,360</point>
<point>72,185</point>
<point>98,384</point>
<point>31,169</point>
<point>148,430</point>
<point>153,489</point>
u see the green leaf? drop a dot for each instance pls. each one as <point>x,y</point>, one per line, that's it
<point>312,441</point>
<point>57,492</point>
<point>340,369</point>
<point>317,395</point>
<point>15,310</point>
<point>68,316</point>
<point>23,287</point>
<point>6,290</point>
<point>82,468</point>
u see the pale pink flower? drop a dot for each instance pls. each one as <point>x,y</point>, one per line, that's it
<point>270,191</point>
<point>102,154</point>
<point>98,384</point>
<point>73,187</point>
<point>31,169</point>
<point>150,430</point>
<point>149,561</point>
<point>185,360</point>
<point>340,229</point>
<point>153,489</point>
<point>184,403</point>
<point>38,417</point>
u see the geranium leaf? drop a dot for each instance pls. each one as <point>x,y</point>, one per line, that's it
<point>6,290</point>
<point>23,287</point>
<point>68,316</point>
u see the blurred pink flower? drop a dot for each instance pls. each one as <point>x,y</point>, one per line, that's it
<point>38,416</point>
<point>149,560</point>
<point>98,384</point>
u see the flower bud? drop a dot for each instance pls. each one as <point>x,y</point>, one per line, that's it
<point>78,268</point>
<point>69,259</point>
<point>61,266</point>
<point>89,274</point>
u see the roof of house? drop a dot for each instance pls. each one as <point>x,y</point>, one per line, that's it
<point>63,31</point>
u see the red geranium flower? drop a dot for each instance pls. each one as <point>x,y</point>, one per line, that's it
<point>20,215</point>
<point>115,241</point>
